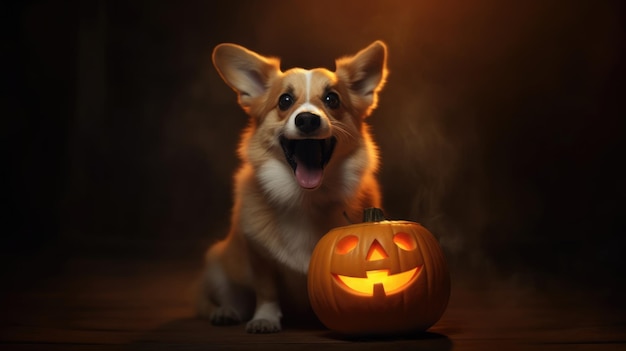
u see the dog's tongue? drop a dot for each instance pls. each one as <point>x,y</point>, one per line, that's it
<point>308,177</point>
<point>308,157</point>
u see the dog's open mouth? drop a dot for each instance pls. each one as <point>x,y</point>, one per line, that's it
<point>307,158</point>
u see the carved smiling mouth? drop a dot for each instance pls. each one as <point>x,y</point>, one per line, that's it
<point>307,158</point>
<point>391,283</point>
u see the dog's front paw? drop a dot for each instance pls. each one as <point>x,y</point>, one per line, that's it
<point>263,326</point>
<point>225,316</point>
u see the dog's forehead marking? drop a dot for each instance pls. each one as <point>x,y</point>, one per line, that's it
<point>307,76</point>
<point>308,106</point>
<point>305,81</point>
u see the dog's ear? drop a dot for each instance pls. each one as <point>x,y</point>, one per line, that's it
<point>365,73</point>
<point>247,72</point>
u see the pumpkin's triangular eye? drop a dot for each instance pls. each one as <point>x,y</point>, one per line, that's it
<point>405,241</point>
<point>346,244</point>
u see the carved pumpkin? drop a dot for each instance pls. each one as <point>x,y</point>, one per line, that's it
<point>378,277</point>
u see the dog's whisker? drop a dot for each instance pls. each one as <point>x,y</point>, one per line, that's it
<point>342,133</point>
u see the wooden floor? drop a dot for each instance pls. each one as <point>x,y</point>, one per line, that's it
<point>107,295</point>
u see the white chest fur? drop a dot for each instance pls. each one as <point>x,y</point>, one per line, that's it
<point>289,236</point>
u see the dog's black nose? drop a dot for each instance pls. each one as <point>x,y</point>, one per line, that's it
<point>307,122</point>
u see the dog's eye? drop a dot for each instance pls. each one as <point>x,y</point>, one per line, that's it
<point>285,101</point>
<point>332,100</point>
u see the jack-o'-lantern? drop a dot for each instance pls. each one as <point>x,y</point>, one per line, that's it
<point>378,277</point>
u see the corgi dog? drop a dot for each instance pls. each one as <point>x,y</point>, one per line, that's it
<point>308,165</point>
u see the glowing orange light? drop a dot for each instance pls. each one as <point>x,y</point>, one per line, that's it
<point>346,244</point>
<point>376,252</point>
<point>404,241</point>
<point>391,283</point>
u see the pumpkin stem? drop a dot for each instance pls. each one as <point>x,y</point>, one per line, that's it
<point>373,214</point>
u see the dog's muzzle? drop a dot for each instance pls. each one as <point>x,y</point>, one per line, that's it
<point>307,158</point>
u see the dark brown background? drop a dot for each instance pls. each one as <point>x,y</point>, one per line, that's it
<point>501,127</point>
